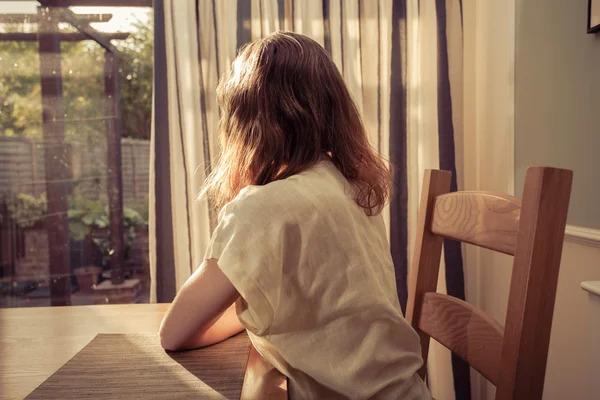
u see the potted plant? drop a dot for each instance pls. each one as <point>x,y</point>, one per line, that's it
<point>84,215</point>
<point>88,221</point>
<point>89,245</point>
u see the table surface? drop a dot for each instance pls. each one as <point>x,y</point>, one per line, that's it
<point>36,342</point>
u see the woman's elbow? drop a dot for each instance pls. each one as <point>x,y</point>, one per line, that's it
<point>167,342</point>
<point>168,346</point>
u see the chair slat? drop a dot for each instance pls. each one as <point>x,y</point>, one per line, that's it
<point>484,219</point>
<point>465,330</point>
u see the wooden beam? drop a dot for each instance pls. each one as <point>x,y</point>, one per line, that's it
<point>85,28</point>
<point>33,18</point>
<point>64,37</point>
<point>114,180</point>
<point>55,152</point>
<point>96,3</point>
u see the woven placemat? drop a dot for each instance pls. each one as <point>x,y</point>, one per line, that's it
<point>134,366</point>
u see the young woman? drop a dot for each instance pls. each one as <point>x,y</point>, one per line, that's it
<point>300,257</point>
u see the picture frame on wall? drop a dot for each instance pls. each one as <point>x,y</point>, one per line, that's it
<point>593,24</point>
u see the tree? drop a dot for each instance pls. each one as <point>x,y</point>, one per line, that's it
<point>136,69</point>
<point>20,97</point>
<point>83,85</point>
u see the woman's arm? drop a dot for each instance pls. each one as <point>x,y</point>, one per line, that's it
<point>203,311</point>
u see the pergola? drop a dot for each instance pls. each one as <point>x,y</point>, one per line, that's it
<point>50,14</point>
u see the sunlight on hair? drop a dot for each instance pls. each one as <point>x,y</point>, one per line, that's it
<point>284,105</point>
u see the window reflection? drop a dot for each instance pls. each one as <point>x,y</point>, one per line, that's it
<point>75,113</point>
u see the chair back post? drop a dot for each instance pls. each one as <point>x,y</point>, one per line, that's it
<point>426,259</point>
<point>533,284</point>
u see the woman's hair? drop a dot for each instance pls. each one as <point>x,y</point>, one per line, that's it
<point>284,103</point>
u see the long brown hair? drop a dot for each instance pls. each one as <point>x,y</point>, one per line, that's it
<point>284,103</point>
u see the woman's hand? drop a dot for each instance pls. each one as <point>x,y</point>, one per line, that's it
<point>203,312</point>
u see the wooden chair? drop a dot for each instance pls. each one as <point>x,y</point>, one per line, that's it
<point>512,357</point>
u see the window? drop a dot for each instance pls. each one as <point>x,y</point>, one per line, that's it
<point>75,116</point>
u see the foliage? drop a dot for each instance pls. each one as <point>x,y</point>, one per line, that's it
<point>141,207</point>
<point>26,210</point>
<point>85,215</point>
<point>87,218</point>
<point>82,71</point>
<point>20,96</point>
<point>136,71</point>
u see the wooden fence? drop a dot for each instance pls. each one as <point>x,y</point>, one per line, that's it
<point>22,167</point>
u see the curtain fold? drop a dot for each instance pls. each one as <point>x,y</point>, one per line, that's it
<point>434,121</point>
<point>402,61</point>
<point>447,125</point>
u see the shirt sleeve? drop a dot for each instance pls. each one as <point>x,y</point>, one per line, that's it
<point>244,245</point>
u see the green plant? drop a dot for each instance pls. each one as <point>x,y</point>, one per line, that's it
<point>83,82</point>
<point>141,207</point>
<point>87,216</point>
<point>84,215</point>
<point>26,210</point>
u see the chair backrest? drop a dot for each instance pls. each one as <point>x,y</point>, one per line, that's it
<point>512,357</point>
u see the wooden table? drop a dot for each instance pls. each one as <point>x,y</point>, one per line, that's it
<point>36,342</point>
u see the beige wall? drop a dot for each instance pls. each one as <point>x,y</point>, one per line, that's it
<point>487,145</point>
<point>488,155</point>
<point>568,374</point>
<point>557,99</point>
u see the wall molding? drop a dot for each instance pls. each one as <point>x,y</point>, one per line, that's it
<point>592,287</point>
<point>582,235</point>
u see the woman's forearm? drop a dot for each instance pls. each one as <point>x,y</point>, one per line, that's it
<point>202,312</point>
<point>225,326</point>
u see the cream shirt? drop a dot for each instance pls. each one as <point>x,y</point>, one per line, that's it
<point>318,289</point>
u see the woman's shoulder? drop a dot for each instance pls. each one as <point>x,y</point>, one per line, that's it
<point>265,198</point>
<point>286,196</point>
